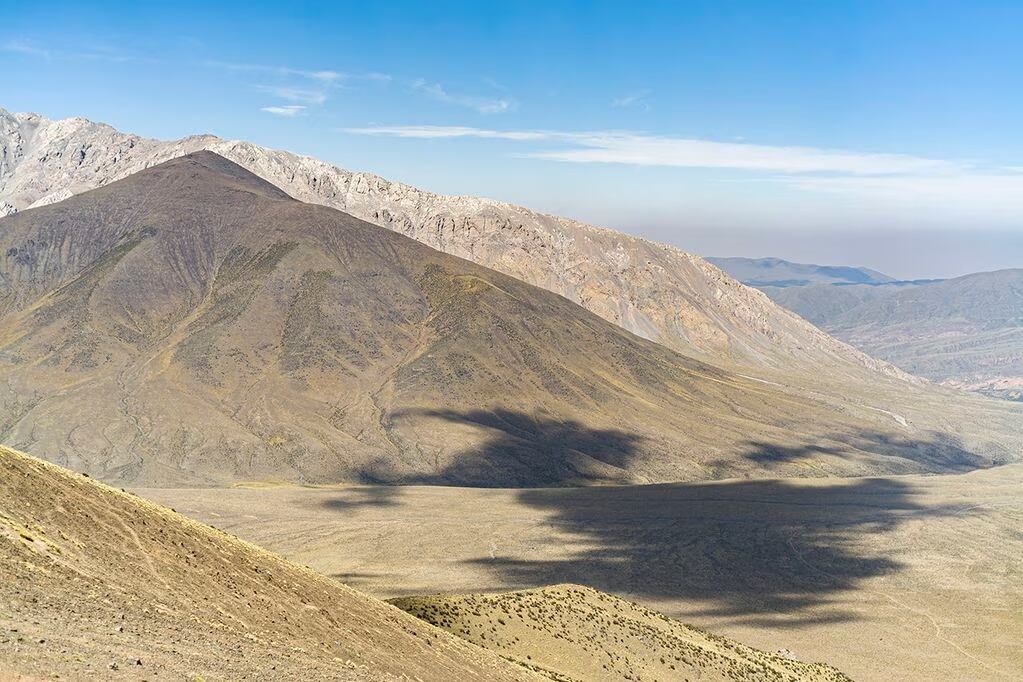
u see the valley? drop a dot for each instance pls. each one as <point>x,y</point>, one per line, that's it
<point>431,342</point>
<point>914,577</point>
<point>96,582</point>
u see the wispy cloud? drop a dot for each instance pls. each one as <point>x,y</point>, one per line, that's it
<point>634,100</point>
<point>322,76</point>
<point>482,104</point>
<point>292,94</point>
<point>288,111</point>
<point>25,47</point>
<point>325,76</point>
<point>96,53</point>
<point>308,87</point>
<point>430,132</point>
<point>623,147</point>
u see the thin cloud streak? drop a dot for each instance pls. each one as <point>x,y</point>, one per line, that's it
<point>322,76</point>
<point>305,86</point>
<point>25,48</point>
<point>619,147</point>
<point>483,105</point>
<point>288,111</point>
<point>28,48</point>
<point>303,95</point>
<point>434,132</point>
<point>635,100</point>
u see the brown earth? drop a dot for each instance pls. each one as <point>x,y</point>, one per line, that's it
<point>98,582</point>
<point>900,578</point>
<point>193,325</point>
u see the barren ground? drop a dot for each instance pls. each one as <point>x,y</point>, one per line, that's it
<point>917,577</point>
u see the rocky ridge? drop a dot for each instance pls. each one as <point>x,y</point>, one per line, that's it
<point>654,290</point>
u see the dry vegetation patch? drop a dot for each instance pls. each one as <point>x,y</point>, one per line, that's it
<point>570,632</point>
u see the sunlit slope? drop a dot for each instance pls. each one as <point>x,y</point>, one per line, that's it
<point>571,632</point>
<point>97,582</point>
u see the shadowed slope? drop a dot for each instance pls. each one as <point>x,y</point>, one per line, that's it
<point>191,324</point>
<point>97,582</point>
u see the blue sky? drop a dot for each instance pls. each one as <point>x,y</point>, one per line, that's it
<point>887,134</point>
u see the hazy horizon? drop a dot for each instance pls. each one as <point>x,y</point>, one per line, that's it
<point>884,135</point>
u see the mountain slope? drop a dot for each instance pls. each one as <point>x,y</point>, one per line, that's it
<point>965,332</point>
<point>760,272</point>
<point>571,632</point>
<point>97,583</point>
<point>192,324</point>
<point>653,290</point>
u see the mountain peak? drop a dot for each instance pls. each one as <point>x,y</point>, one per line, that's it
<point>211,167</point>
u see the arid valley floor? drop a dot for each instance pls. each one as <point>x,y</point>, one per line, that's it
<point>916,577</point>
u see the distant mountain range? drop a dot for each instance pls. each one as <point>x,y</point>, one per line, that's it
<point>965,332</point>
<point>761,272</point>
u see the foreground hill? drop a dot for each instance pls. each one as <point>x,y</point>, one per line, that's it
<point>571,632</point>
<point>656,291</point>
<point>761,272</point>
<point>965,332</point>
<point>192,324</point>
<point>97,583</point>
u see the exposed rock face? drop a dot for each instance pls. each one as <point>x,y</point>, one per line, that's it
<point>654,290</point>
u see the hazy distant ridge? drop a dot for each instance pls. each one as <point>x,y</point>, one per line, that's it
<point>759,272</point>
<point>965,332</point>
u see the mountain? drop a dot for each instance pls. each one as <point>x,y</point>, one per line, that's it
<point>965,332</point>
<point>571,632</point>
<point>653,290</point>
<point>760,272</point>
<point>192,324</point>
<point>700,312</point>
<point>97,583</point>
